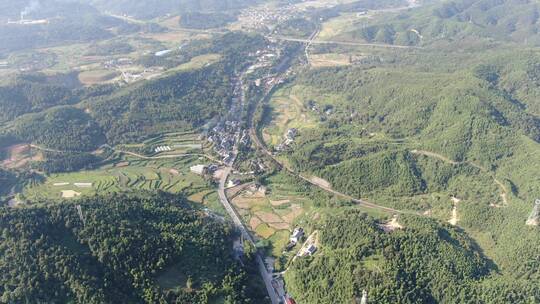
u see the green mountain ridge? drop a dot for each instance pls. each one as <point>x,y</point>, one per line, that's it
<point>118,254</point>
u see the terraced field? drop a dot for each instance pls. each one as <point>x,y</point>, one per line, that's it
<point>128,174</point>
<point>178,142</point>
<point>272,216</point>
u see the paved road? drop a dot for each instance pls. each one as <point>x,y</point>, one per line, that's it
<point>262,147</point>
<point>265,275</point>
<point>349,43</point>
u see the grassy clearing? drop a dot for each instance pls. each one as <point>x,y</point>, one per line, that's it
<point>288,111</point>
<point>99,76</point>
<point>197,62</point>
<point>264,231</point>
<point>329,60</point>
<point>279,240</point>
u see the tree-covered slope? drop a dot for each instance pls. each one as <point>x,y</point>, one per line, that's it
<point>69,118</point>
<point>152,8</point>
<point>417,129</point>
<point>119,254</point>
<point>457,20</point>
<point>185,99</point>
<point>26,94</point>
<point>426,262</point>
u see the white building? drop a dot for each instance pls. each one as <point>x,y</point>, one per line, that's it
<point>297,235</point>
<point>198,169</point>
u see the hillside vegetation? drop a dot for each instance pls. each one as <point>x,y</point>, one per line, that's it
<point>423,263</point>
<point>430,132</point>
<point>150,9</point>
<point>461,21</point>
<point>121,252</point>
<point>68,118</point>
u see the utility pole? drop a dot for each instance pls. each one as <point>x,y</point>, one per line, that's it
<point>364,297</point>
<point>81,216</point>
<point>534,218</point>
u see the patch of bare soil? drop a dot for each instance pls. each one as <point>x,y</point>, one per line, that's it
<point>454,219</point>
<point>296,211</point>
<point>268,217</point>
<point>254,222</point>
<point>321,182</point>
<point>241,202</point>
<point>19,155</point>
<point>392,225</point>
<point>70,194</point>
<point>219,173</point>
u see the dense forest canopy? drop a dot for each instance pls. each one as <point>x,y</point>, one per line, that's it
<point>119,253</point>
<point>424,263</point>
<point>29,95</point>
<point>457,21</point>
<point>151,9</point>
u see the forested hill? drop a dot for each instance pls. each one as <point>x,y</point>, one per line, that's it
<point>129,249</point>
<point>152,9</point>
<point>28,94</point>
<point>181,100</point>
<point>463,21</point>
<point>66,22</point>
<point>424,263</point>
<point>40,111</point>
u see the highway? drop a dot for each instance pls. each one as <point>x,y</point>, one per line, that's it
<point>349,43</point>
<point>265,275</point>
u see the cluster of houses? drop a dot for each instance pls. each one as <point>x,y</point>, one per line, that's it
<point>224,136</point>
<point>327,109</point>
<point>289,137</point>
<point>295,238</point>
<point>244,140</point>
<point>162,149</point>
<point>257,18</point>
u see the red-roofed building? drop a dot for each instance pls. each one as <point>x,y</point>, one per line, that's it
<point>289,301</point>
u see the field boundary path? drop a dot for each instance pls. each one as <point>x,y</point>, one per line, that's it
<point>504,190</point>
<point>169,156</point>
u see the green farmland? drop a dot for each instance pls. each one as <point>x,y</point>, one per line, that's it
<point>171,175</point>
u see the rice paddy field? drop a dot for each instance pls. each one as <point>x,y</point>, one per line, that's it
<point>129,173</point>
<point>274,215</point>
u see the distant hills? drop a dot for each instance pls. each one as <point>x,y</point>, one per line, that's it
<point>154,8</point>
<point>500,20</point>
